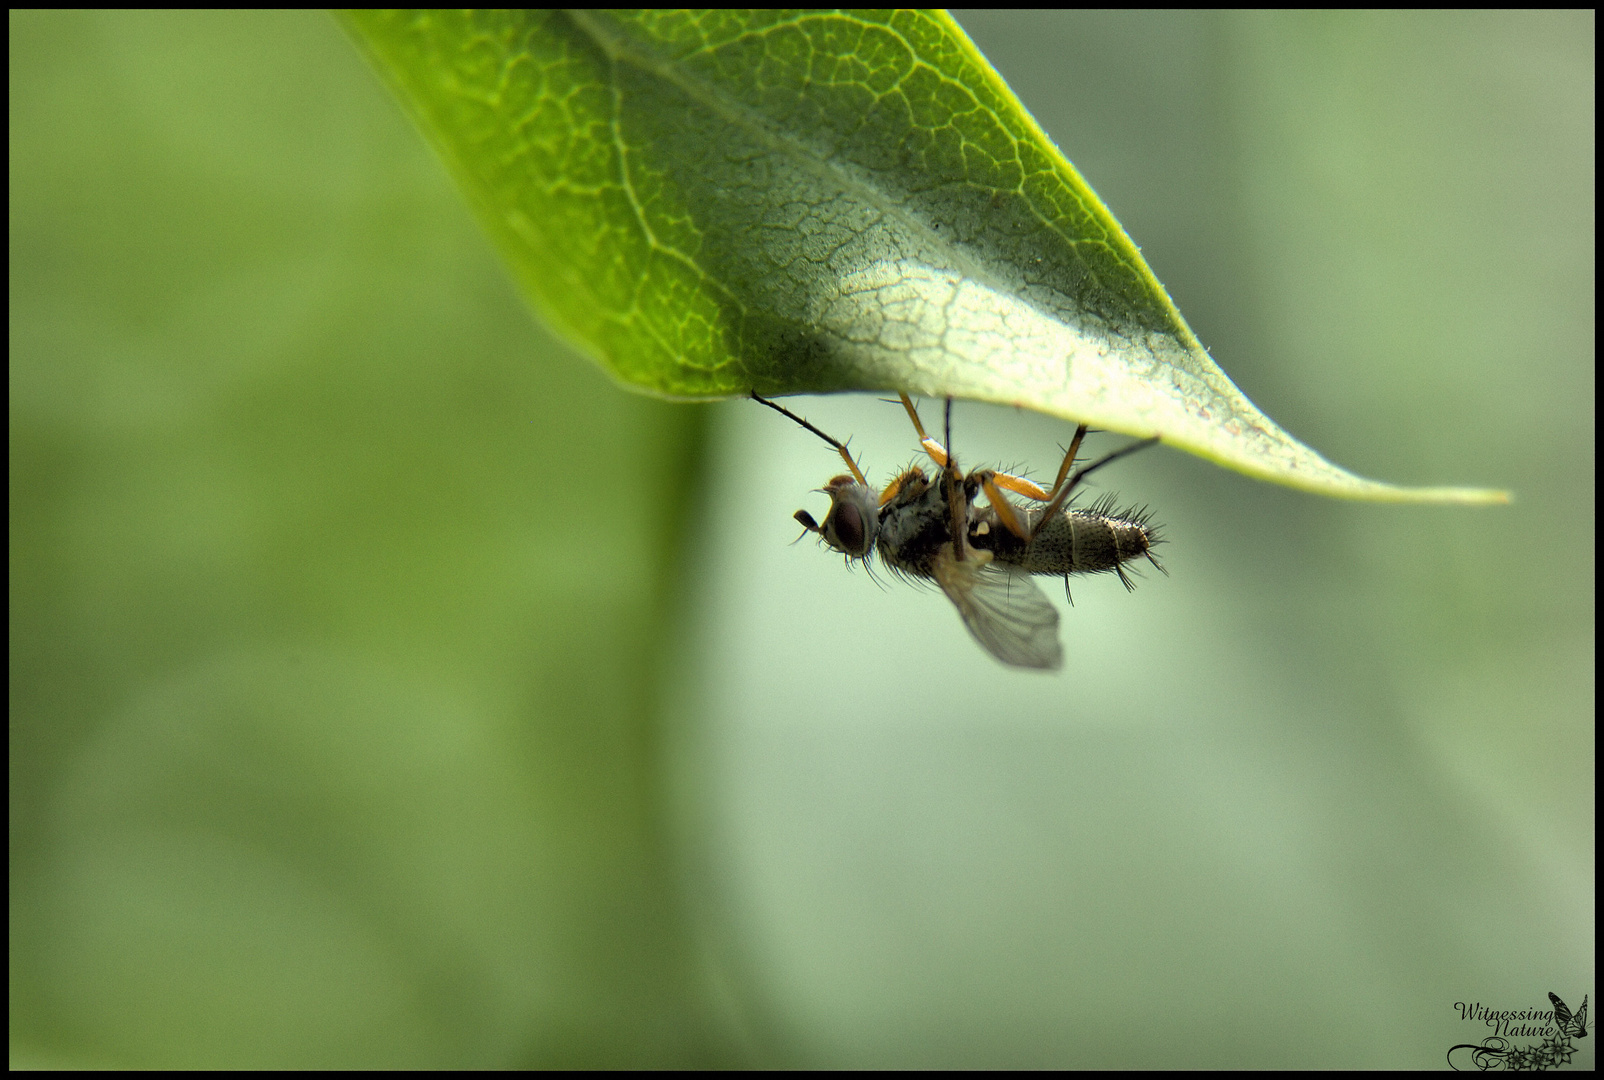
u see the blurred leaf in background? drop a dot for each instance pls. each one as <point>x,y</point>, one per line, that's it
<point>1288,805</point>
<point>369,709</point>
<point>339,591</point>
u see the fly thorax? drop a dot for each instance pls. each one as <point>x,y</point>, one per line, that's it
<point>914,524</point>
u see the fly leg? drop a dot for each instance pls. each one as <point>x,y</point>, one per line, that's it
<point>990,479</point>
<point>957,497</point>
<point>1063,490</point>
<point>840,447</point>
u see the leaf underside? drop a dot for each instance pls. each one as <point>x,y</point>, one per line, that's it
<point>714,202</point>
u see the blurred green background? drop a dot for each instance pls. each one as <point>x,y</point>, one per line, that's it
<point>390,689</point>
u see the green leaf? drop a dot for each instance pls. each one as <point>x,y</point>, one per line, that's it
<point>713,202</point>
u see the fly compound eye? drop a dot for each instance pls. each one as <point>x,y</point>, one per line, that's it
<point>850,525</point>
<point>846,528</point>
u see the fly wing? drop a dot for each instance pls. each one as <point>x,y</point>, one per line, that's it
<point>1003,608</point>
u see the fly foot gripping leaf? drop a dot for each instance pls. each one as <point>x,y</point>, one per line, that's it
<point>715,202</point>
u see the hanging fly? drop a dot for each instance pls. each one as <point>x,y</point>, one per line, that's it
<point>982,555</point>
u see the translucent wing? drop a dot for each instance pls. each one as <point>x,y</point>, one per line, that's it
<point>1003,608</point>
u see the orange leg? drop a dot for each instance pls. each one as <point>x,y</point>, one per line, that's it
<point>1019,485</point>
<point>1061,494</point>
<point>999,502</point>
<point>991,480</point>
<point>1069,458</point>
<point>931,446</point>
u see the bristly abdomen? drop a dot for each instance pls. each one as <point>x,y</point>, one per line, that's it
<point>1098,539</point>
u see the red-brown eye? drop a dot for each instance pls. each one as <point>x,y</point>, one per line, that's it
<point>848,528</point>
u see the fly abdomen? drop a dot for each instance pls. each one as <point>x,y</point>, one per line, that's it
<point>1094,540</point>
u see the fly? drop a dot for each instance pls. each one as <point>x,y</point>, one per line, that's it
<point>982,556</point>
